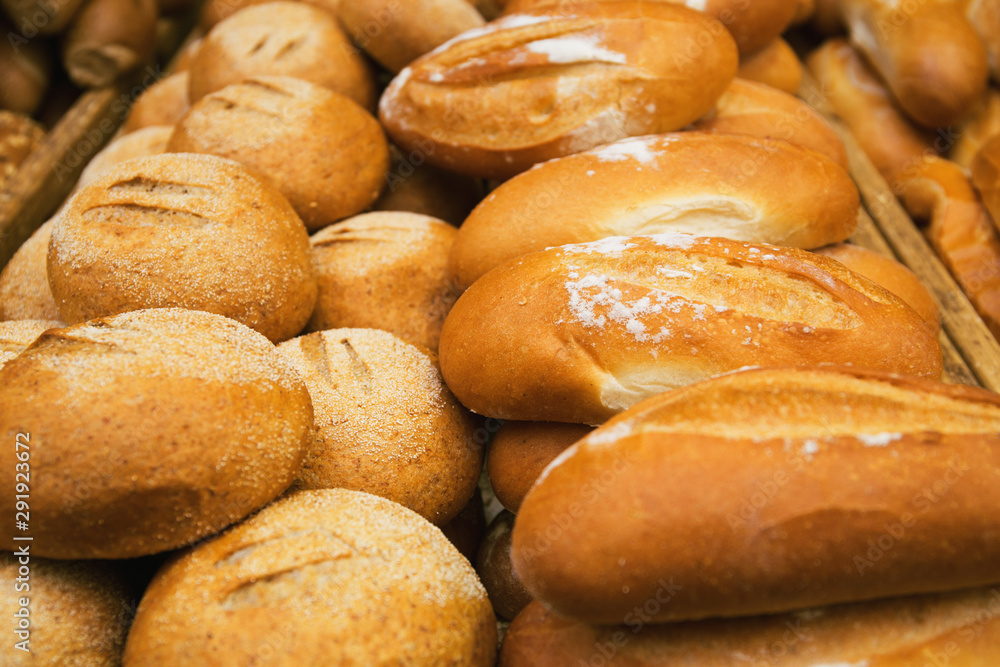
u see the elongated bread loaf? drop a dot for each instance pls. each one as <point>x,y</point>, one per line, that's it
<point>691,182</point>
<point>960,629</point>
<point>767,491</point>
<point>530,87</point>
<point>580,332</point>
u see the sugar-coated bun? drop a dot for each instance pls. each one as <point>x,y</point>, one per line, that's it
<point>318,576</point>
<point>149,430</point>
<point>24,282</point>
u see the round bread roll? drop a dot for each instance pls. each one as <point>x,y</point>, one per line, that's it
<point>191,231</point>
<point>417,187</point>
<point>183,59</point>
<point>217,10</point>
<point>318,576</point>
<point>578,333</point>
<point>24,282</point>
<point>507,594</point>
<point>25,72</point>
<point>108,38</point>
<point>735,186</point>
<point>144,142</point>
<point>16,335</point>
<point>493,102</point>
<point>775,65</point>
<point>19,136</point>
<point>341,155</point>
<point>396,33</point>
<point>466,530</point>
<point>890,274</point>
<point>385,422</point>
<point>281,39</point>
<point>76,613</point>
<point>46,19</point>
<point>519,453</point>
<point>149,430</point>
<point>163,103</point>
<point>385,271</point>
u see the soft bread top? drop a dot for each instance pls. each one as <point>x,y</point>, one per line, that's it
<point>530,87</point>
<point>580,332</point>
<point>690,182</point>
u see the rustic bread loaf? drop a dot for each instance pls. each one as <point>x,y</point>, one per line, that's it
<point>24,282</point>
<point>149,430</point>
<point>578,333</point>
<point>766,491</point>
<point>318,576</point>
<point>163,103</point>
<point>144,142</point>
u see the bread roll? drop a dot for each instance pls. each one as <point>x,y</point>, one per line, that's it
<point>341,155</point>
<point>214,11</point>
<point>804,10</point>
<point>984,15</point>
<point>396,33</point>
<point>149,430</point>
<point>890,274</point>
<point>775,65</point>
<point>74,613</point>
<point>960,230</point>
<point>16,335</point>
<point>385,422</point>
<point>34,18</point>
<point>185,56</point>
<point>417,187</point>
<point>24,283</point>
<point>163,103</point>
<point>928,54</point>
<point>986,177</point>
<point>318,576</point>
<point>107,39</point>
<point>762,111</point>
<point>753,25</point>
<point>495,101</point>
<point>888,137</point>
<point>959,629</point>
<point>519,453</point>
<point>823,485</point>
<point>827,19</point>
<point>734,186</point>
<point>144,142</point>
<point>19,136</point>
<point>281,39</point>
<point>586,331</point>
<point>980,127</point>
<point>466,530</point>
<point>192,231</point>
<point>25,71</point>
<point>507,594</point>
<point>385,271</point>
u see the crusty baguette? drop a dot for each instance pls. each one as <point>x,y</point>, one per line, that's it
<point>775,65</point>
<point>766,491</point>
<point>928,54</point>
<point>578,333</point>
<point>759,110</point>
<point>735,186</point>
<point>960,629</point>
<point>887,136</point>
<point>528,87</point>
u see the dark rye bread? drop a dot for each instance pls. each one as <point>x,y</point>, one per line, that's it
<point>769,490</point>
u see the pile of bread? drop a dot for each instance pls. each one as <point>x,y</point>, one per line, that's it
<point>253,353</point>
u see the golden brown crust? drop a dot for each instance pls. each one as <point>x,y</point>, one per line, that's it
<point>281,39</point>
<point>981,126</point>
<point>24,283</point>
<point>769,490</point>
<point>929,55</point>
<point>163,103</point>
<point>78,611</point>
<point>888,137</point>
<point>16,335</point>
<point>386,271</point>
<point>181,230</point>
<point>396,33</point>
<point>314,575</point>
<point>108,38</point>
<point>960,629</point>
<point>49,19</point>
<point>144,142</point>
<point>890,274</point>
<point>761,111</point>
<point>495,101</point>
<point>466,530</point>
<point>19,136</point>
<point>25,71</point>
<point>984,16</point>
<point>217,10</point>
<point>341,155</point>
<point>519,453</point>
<point>149,430</point>
<point>507,594</point>
<point>690,182</point>
<point>578,333</point>
<point>775,65</point>
<point>385,422</point>
<point>986,177</point>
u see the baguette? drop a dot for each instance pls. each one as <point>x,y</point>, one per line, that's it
<point>823,485</point>
<point>529,87</point>
<point>692,182</point>
<point>579,333</point>
<point>775,65</point>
